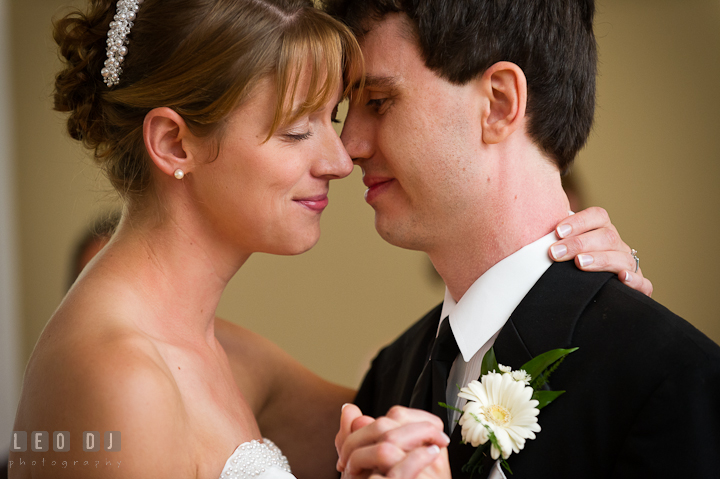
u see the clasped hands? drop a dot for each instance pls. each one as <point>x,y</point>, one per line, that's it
<point>404,444</point>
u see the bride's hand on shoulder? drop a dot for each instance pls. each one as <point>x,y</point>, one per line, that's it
<point>590,238</point>
<point>405,444</point>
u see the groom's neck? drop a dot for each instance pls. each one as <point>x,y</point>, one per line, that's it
<point>516,217</point>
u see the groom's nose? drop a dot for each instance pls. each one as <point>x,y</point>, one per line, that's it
<point>358,134</point>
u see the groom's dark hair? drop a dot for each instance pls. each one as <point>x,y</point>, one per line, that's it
<point>551,40</point>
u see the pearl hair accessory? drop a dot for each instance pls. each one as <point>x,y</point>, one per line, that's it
<point>117,39</point>
<point>179,174</point>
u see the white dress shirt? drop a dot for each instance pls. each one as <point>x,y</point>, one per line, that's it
<point>476,320</point>
<point>484,309</point>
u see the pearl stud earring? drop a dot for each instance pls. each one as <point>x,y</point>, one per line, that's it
<point>179,174</point>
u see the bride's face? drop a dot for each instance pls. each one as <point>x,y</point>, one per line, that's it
<point>267,196</point>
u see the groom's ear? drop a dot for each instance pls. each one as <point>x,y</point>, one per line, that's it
<point>504,87</point>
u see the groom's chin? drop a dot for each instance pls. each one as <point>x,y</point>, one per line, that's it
<point>398,233</point>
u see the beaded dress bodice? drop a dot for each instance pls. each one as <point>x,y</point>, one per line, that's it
<point>257,460</point>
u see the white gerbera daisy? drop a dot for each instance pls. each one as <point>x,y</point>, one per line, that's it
<point>503,405</point>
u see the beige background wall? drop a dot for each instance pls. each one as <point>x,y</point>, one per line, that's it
<point>652,162</point>
<point>9,326</point>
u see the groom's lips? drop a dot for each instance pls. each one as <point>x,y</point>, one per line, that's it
<point>376,186</point>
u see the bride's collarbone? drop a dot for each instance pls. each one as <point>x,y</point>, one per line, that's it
<point>217,415</point>
<point>258,366</point>
<point>201,368</point>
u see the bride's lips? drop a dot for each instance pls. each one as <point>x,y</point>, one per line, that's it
<point>376,185</point>
<point>314,203</point>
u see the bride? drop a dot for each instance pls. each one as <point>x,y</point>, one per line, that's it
<point>213,120</point>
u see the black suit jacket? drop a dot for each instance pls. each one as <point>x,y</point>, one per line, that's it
<point>643,390</point>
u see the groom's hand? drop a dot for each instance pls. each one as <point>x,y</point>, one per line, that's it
<point>422,463</point>
<point>592,240</point>
<point>401,444</point>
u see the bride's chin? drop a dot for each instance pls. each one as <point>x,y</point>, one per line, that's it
<point>298,245</point>
<point>305,246</point>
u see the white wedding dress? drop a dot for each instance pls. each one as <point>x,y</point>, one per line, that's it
<point>257,460</point>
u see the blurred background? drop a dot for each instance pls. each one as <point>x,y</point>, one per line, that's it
<point>652,162</point>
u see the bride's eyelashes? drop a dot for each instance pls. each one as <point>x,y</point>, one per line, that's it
<point>298,136</point>
<point>299,131</point>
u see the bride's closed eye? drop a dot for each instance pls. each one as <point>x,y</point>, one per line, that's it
<point>298,131</point>
<point>297,136</point>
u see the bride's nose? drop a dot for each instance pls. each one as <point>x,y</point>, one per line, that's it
<point>334,161</point>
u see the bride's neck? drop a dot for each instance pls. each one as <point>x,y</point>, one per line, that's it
<point>175,268</point>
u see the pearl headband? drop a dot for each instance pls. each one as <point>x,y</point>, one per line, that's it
<point>117,39</point>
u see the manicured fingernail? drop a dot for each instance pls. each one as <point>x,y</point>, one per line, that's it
<point>558,251</point>
<point>563,230</point>
<point>585,260</point>
<point>628,277</point>
<point>434,449</point>
<point>344,406</point>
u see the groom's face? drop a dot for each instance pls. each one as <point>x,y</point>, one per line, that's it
<point>416,137</point>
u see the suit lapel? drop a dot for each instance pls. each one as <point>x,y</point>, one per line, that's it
<point>545,319</point>
<point>416,355</point>
<point>460,455</point>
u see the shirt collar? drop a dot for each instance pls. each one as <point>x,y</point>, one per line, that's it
<point>489,302</point>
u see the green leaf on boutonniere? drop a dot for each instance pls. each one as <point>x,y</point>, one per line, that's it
<point>537,366</point>
<point>447,406</point>
<point>489,363</point>
<point>546,397</point>
<point>500,391</point>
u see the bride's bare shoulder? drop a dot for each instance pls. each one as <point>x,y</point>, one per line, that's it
<point>92,336</point>
<point>96,370</point>
<point>94,361</point>
<point>114,381</point>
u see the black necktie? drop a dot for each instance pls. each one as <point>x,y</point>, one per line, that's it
<point>431,385</point>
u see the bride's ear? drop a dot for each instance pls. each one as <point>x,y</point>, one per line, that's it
<point>167,139</point>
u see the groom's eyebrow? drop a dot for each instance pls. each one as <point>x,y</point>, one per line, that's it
<point>374,81</point>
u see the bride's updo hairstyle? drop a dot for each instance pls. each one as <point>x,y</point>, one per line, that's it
<point>201,58</point>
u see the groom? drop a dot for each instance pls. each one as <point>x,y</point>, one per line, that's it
<point>470,112</point>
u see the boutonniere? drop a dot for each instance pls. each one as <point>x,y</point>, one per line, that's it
<point>502,408</point>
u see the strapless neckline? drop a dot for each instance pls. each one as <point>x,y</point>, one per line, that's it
<point>251,460</point>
